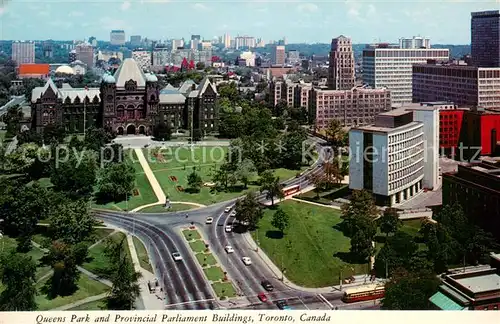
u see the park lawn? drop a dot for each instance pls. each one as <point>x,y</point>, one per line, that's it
<point>2,135</point>
<point>197,246</point>
<point>191,235</point>
<point>87,287</point>
<point>99,263</point>
<point>180,157</point>
<point>95,305</point>
<point>161,208</point>
<point>214,273</point>
<point>313,250</point>
<point>224,289</point>
<point>207,259</point>
<point>142,254</point>
<point>101,233</point>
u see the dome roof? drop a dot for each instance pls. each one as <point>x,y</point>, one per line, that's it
<point>108,78</point>
<point>65,69</point>
<point>151,77</point>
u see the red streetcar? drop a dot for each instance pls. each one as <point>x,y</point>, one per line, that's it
<point>291,190</point>
<point>369,292</point>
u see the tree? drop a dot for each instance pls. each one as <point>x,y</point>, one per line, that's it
<point>96,138</point>
<point>162,132</point>
<point>17,273</point>
<point>76,143</point>
<point>292,152</point>
<point>116,181</point>
<point>200,66</point>
<point>53,134</point>
<point>71,222</point>
<point>12,120</point>
<point>230,125</point>
<point>228,90</point>
<point>360,206</point>
<point>280,108</point>
<point>248,210</point>
<point>410,290</point>
<point>30,136</point>
<point>75,174</point>
<point>400,251</point>
<point>31,83</point>
<point>112,154</point>
<point>221,175</point>
<point>245,171</point>
<point>362,239</point>
<point>194,181</point>
<point>125,279</point>
<point>389,222</point>
<point>280,220</point>
<point>335,134</point>
<point>272,186</point>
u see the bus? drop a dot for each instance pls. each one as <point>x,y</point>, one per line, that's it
<point>368,292</point>
<point>291,190</point>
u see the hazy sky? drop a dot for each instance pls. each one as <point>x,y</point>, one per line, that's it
<point>444,21</point>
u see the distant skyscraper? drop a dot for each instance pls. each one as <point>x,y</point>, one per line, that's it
<point>117,37</point>
<point>293,57</point>
<point>177,43</point>
<point>415,42</point>
<point>341,69</point>
<point>93,41</point>
<point>227,40</point>
<point>47,49</point>
<point>285,41</point>
<point>195,41</point>
<point>136,40</point>
<point>485,38</point>
<point>85,53</point>
<point>278,55</point>
<point>23,52</point>
<point>244,41</point>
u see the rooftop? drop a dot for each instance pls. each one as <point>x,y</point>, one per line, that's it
<point>481,282</point>
<point>378,129</point>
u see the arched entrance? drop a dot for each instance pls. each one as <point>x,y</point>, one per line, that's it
<point>130,130</point>
<point>120,130</point>
<point>142,130</point>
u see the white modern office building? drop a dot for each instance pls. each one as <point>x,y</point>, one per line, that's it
<point>390,67</point>
<point>415,42</point>
<point>397,157</point>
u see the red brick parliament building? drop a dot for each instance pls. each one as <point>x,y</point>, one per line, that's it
<point>128,102</point>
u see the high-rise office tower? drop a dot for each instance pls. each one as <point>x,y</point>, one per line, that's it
<point>415,42</point>
<point>485,38</point>
<point>227,40</point>
<point>244,41</point>
<point>23,52</point>
<point>341,69</point>
<point>47,49</point>
<point>85,53</point>
<point>93,41</point>
<point>117,37</point>
<point>136,40</point>
<point>278,55</point>
<point>195,41</point>
<point>177,43</point>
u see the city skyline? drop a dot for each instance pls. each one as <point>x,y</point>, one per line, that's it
<point>299,21</point>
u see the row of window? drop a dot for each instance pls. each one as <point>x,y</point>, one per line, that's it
<point>411,166</point>
<point>398,138</point>
<point>402,182</point>
<point>400,160</point>
<point>131,114</point>
<point>404,146</point>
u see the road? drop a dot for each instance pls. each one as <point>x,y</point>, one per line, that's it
<point>16,100</point>
<point>184,283</point>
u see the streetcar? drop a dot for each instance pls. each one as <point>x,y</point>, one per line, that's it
<point>291,190</point>
<point>368,292</point>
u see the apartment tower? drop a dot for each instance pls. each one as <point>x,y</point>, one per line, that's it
<point>117,37</point>
<point>23,52</point>
<point>278,55</point>
<point>85,53</point>
<point>341,70</point>
<point>485,38</point>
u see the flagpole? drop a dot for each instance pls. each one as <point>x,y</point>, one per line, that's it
<point>84,111</point>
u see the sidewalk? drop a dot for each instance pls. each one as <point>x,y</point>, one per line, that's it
<point>150,301</point>
<point>172,202</point>
<point>151,177</point>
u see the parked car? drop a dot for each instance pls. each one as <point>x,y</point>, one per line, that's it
<point>282,304</point>
<point>229,249</point>
<point>267,285</point>
<point>262,297</point>
<point>177,256</point>
<point>228,209</point>
<point>233,213</point>
<point>229,228</point>
<point>210,220</point>
<point>246,260</point>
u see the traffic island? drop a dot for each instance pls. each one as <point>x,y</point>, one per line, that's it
<point>214,273</point>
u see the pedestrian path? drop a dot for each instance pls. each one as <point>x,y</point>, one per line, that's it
<point>314,203</point>
<point>150,300</point>
<point>172,202</point>
<point>151,177</point>
<point>81,302</point>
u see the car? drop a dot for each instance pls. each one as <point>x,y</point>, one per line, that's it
<point>233,214</point>
<point>267,285</point>
<point>262,297</point>
<point>282,304</point>
<point>229,228</point>
<point>246,260</point>
<point>228,209</point>
<point>221,223</point>
<point>229,249</point>
<point>210,220</point>
<point>244,223</point>
<point>177,256</point>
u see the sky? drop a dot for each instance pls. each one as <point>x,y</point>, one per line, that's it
<point>365,21</point>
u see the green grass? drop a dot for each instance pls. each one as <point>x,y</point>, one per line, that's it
<point>197,246</point>
<point>142,254</point>
<point>312,250</point>
<point>207,259</point>
<point>100,263</point>
<point>162,209</point>
<point>224,289</point>
<point>95,305</point>
<point>2,134</point>
<point>191,235</point>
<point>180,157</point>
<point>86,287</point>
<point>101,233</point>
<point>214,273</point>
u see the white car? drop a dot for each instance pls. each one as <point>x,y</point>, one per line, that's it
<point>229,249</point>
<point>244,223</point>
<point>229,228</point>
<point>228,209</point>
<point>177,256</point>
<point>246,260</point>
<point>233,213</point>
<point>210,220</point>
